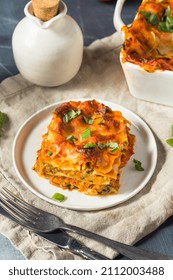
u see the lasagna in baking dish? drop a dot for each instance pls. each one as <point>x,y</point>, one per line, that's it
<point>148,42</point>
<point>86,146</point>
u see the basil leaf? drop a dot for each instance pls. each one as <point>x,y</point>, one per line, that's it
<point>169,20</point>
<point>49,153</point>
<point>101,146</point>
<point>165,24</point>
<point>88,121</point>
<point>167,12</point>
<point>113,146</point>
<point>151,18</point>
<point>138,165</point>
<point>2,119</point>
<point>58,196</point>
<point>170,142</point>
<point>66,118</point>
<point>86,133</point>
<point>89,145</point>
<point>165,27</point>
<point>71,115</point>
<point>70,138</point>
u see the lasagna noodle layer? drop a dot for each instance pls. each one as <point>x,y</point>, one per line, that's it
<point>86,152</point>
<point>148,41</point>
<point>86,187</point>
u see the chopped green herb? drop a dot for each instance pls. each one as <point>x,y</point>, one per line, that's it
<point>89,121</point>
<point>89,145</point>
<point>66,118</point>
<point>101,146</point>
<point>58,196</point>
<point>138,165</point>
<point>2,119</point>
<point>49,153</point>
<point>86,133</point>
<point>167,12</point>
<point>70,138</point>
<point>71,115</point>
<point>151,18</point>
<point>170,142</point>
<point>166,24</point>
<point>113,146</point>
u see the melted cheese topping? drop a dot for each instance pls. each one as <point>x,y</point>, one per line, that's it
<point>145,44</point>
<point>93,159</point>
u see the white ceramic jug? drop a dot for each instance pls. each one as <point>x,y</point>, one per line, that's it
<point>47,53</point>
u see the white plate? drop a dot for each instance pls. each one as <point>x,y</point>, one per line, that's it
<point>28,141</point>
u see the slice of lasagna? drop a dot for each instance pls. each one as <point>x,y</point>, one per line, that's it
<point>148,41</point>
<point>85,148</point>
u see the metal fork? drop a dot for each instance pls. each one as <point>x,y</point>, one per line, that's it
<point>41,221</point>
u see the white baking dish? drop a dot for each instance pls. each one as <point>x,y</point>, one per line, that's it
<point>154,87</point>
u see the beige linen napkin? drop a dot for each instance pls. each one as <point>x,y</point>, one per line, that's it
<point>100,77</point>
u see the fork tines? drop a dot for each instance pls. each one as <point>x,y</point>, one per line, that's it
<point>17,207</point>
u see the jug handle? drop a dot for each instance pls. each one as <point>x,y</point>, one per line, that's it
<point>117,20</point>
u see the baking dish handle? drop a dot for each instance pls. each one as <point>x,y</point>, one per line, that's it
<point>117,20</point>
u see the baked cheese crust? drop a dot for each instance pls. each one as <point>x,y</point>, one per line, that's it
<point>86,146</point>
<point>148,41</point>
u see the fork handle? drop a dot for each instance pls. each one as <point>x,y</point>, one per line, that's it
<point>129,251</point>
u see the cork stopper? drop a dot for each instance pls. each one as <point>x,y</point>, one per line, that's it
<point>45,9</point>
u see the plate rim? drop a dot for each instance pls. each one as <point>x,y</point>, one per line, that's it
<point>108,103</point>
